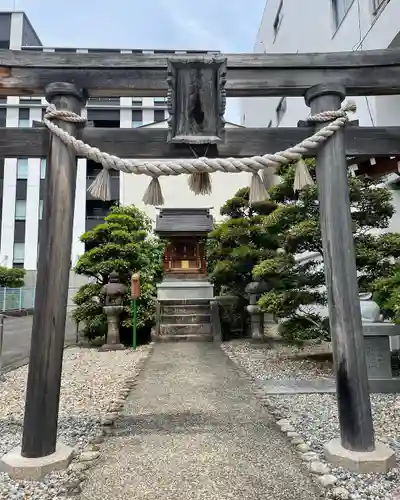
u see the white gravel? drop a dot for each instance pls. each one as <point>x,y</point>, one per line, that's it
<point>314,416</point>
<point>90,382</point>
<point>274,363</point>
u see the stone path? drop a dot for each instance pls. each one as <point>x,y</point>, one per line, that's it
<point>192,429</point>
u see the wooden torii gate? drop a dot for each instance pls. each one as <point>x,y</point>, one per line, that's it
<point>322,79</point>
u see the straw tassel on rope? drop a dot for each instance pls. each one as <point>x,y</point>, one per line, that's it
<point>153,195</point>
<point>101,186</point>
<point>200,183</point>
<point>258,193</point>
<point>302,177</point>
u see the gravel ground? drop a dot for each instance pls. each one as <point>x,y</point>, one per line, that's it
<point>90,382</point>
<point>314,416</point>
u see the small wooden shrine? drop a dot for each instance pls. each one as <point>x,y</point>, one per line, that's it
<point>186,231</point>
<point>185,263</point>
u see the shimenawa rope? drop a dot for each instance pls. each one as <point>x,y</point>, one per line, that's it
<point>199,169</point>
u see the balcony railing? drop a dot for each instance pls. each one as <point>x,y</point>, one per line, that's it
<point>104,101</point>
<point>93,221</point>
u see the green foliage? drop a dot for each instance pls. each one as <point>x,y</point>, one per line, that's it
<point>235,246</point>
<point>386,292</point>
<point>297,329</point>
<point>12,277</point>
<point>121,244</point>
<point>294,286</point>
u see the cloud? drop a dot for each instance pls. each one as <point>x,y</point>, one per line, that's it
<point>197,26</point>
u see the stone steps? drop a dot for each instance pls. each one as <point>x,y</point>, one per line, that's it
<point>185,319</point>
<point>181,310</point>
<point>191,337</point>
<point>186,329</point>
<point>184,302</point>
<point>174,319</point>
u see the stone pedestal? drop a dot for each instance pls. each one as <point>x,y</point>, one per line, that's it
<point>113,341</point>
<point>254,290</point>
<point>378,356</point>
<point>33,469</point>
<point>185,290</point>
<point>382,459</point>
<point>256,323</point>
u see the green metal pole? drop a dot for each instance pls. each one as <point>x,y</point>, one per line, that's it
<point>134,321</point>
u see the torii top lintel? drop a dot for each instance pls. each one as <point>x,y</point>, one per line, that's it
<point>374,72</point>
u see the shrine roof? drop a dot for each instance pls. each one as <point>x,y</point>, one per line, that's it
<point>184,221</point>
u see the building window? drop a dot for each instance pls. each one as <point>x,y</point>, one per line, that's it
<point>19,253</point>
<point>159,101</point>
<point>43,163</point>
<point>3,117</point>
<point>377,5</point>
<point>340,8</point>
<point>20,209</point>
<point>137,118</point>
<point>278,18</point>
<point>23,119</point>
<point>40,209</point>
<point>22,168</point>
<point>137,101</point>
<point>31,100</point>
<point>159,115</point>
<point>281,110</point>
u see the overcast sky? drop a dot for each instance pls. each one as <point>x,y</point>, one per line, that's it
<point>226,25</point>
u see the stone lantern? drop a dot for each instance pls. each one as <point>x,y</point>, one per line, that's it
<point>113,294</point>
<point>254,290</point>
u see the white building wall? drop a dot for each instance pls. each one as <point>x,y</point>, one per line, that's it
<point>78,248</point>
<point>310,28</point>
<point>17,22</point>
<point>176,191</point>
<point>32,204</point>
<point>9,196</point>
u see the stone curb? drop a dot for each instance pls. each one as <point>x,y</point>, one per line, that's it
<point>319,470</point>
<point>84,460</point>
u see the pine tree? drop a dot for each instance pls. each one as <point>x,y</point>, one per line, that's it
<point>123,244</point>
<point>234,247</point>
<point>297,286</point>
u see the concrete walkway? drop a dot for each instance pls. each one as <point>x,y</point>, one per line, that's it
<point>192,430</point>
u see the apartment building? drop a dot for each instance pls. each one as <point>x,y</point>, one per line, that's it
<point>291,26</point>
<point>22,179</point>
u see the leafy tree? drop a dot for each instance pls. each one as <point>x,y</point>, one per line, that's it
<point>12,277</point>
<point>121,244</point>
<point>298,285</point>
<point>235,246</point>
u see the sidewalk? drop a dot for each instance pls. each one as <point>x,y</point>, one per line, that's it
<point>191,429</point>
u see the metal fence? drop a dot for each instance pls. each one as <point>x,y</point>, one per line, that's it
<point>18,299</point>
